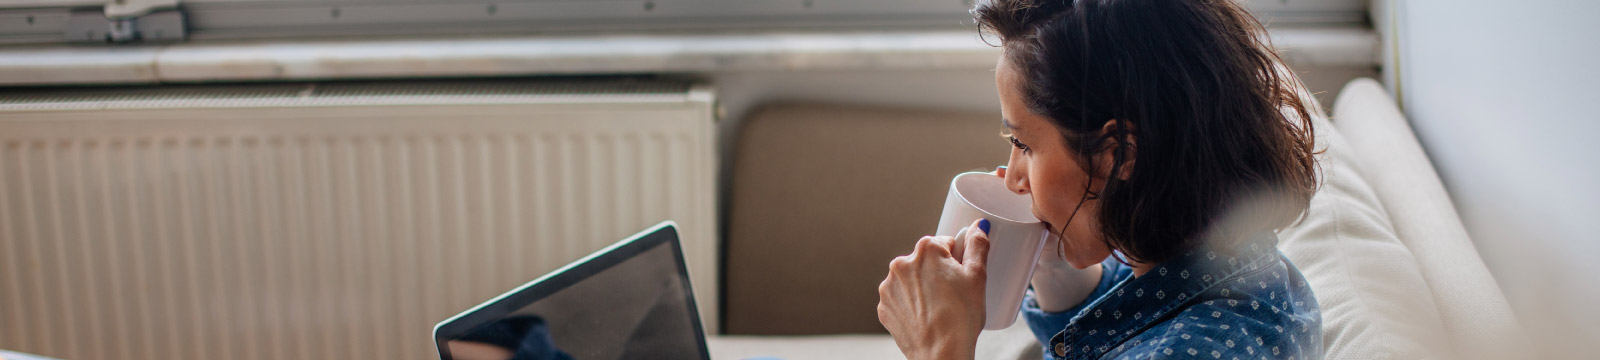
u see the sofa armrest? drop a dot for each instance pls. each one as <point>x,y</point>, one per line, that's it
<point>1473,308</point>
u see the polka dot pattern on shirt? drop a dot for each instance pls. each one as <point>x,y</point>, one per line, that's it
<point>1246,302</point>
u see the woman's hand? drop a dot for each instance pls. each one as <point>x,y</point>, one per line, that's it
<point>932,300</point>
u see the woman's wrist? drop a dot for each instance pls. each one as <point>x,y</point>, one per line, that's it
<point>1059,286</point>
<point>968,352</point>
<point>951,349</point>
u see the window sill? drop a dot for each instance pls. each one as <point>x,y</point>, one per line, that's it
<point>571,55</point>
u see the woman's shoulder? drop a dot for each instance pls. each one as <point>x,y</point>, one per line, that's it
<point>1265,313</point>
<point>1221,331</point>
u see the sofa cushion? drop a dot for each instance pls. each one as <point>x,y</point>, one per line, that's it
<point>824,196</point>
<point>1470,303</point>
<point>1374,302</point>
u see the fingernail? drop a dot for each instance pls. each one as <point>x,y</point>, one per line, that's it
<point>983,224</point>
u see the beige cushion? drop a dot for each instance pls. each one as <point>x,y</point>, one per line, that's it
<point>823,196</point>
<point>1374,302</point>
<point>1473,309</point>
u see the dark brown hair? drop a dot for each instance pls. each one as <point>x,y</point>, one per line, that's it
<point>1222,144</point>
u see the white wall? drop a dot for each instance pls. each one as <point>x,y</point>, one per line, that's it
<point>1505,96</point>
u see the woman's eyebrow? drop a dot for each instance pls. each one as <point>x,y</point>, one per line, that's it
<point>1007,124</point>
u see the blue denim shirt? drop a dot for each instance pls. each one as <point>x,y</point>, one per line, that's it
<point>1245,301</point>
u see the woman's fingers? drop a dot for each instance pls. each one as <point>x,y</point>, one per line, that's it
<point>977,250</point>
<point>900,268</point>
<point>933,247</point>
<point>930,298</point>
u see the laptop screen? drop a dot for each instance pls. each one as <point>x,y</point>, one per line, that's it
<point>631,301</point>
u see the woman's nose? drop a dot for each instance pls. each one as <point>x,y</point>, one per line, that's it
<point>1016,180</point>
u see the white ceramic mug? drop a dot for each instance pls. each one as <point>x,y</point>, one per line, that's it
<point>1016,238</point>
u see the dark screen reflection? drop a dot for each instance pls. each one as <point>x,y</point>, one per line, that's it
<point>514,338</point>
<point>637,309</point>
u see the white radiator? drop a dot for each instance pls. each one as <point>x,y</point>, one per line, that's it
<point>326,221</point>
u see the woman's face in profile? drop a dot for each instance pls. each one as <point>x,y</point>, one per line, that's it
<point>1042,167</point>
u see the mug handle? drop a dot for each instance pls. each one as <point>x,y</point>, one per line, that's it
<point>960,247</point>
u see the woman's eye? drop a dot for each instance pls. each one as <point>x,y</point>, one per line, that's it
<point>1018,144</point>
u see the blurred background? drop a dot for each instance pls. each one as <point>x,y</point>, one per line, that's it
<point>329,178</point>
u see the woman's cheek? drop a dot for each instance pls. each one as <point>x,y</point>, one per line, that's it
<point>1044,202</point>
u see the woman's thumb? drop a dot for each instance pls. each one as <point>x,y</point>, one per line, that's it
<point>977,249</point>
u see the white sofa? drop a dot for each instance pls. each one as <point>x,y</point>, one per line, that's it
<point>1394,271</point>
<point>1475,320</point>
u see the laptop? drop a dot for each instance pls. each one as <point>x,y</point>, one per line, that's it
<point>631,300</point>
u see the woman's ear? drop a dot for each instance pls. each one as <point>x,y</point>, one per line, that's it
<point>1119,135</point>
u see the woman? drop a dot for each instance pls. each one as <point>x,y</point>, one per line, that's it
<point>1164,147</point>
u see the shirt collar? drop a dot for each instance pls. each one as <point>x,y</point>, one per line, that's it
<point>1137,302</point>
